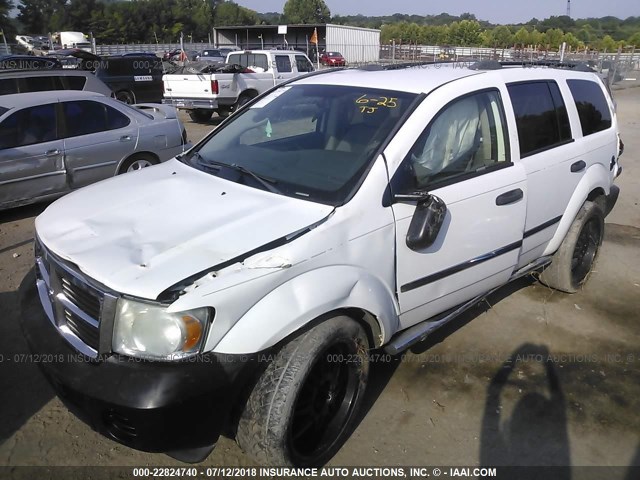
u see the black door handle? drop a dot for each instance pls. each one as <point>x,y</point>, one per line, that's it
<point>511,196</point>
<point>578,166</point>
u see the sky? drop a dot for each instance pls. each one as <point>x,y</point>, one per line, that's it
<point>496,11</point>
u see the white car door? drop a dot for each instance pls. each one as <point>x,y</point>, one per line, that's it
<point>549,155</point>
<point>463,157</point>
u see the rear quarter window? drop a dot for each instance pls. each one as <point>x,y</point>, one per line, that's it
<point>592,106</point>
<point>541,116</point>
<point>74,83</point>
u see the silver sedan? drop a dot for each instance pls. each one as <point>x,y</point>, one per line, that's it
<point>54,142</point>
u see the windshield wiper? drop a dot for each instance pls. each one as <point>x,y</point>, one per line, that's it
<point>264,181</point>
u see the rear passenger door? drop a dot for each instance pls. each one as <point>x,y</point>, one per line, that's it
<point>549,157</point>
<point>596,119</point>
<point>96,138</point>
<point>31,155</point>
<point>284,68</point>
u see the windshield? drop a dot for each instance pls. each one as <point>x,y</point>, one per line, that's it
<point>308,141</point>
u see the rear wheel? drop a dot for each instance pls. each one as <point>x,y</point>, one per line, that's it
<point>243,100</point>
<point>224,112</point>
<point>574,260</point>
<point>304,405</point>
<point>126,96</point>
<point>138,162</point>
<point>200,115</point>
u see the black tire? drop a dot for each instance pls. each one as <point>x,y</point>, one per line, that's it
<point>126,96</point>
<point>243,100</point>
<point>305,404</point>
<point>224,112</point>
<point>574,260</point>
<point>200,116</point>
<point>138,162</point>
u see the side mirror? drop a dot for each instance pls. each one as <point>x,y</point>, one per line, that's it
<point>426,222</point>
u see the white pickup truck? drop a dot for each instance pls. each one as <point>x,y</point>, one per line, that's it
<point>204,93</point>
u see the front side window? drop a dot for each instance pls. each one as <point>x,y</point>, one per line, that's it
<point>312,142</point>
<point>592,106</point>
<point>541,116</point>
<point>29,126</point>
<point>85,117</point>
<point>303,64</point>
<point>467,137</point>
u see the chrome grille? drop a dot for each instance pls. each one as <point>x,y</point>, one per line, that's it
<point>87,299</point>
<point>84,331</point>
<point>74,304</point>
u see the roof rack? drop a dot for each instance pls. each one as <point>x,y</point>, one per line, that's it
<point>376,67</point>
<point>497,65</point>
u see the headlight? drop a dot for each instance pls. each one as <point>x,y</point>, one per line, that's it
<point>149,331</point>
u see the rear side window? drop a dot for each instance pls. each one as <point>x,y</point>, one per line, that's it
<point>39,84</point>
<point>303,64</point>
<point>29,126</point>
<point>592,106</point>
<point>8,86</point>
<point>249,60</point>
<point>283,64</point>
<point>85,117</point>
<point>74,83</point>
<point>541,116</point>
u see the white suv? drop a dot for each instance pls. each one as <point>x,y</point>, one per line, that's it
<point>238,289</point>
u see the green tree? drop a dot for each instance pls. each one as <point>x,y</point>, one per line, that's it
<point>6,23</point>
<point>553,38</point>
<point>607,43</point>
<point>571,40</point>
<point>522,37</point>
<point>229,13</point>
<point>634,40</point>
<point>306,11</point>
<point>465,33</point>
<point>536,37</point>
<point>501,37</point>
<point>36,15</point>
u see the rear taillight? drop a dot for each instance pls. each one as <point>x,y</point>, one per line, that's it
<point>214,87</point>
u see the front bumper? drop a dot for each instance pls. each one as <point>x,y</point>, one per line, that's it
<point>150,406</point>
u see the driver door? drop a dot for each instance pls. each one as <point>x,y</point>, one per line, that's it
<point>462,157</point>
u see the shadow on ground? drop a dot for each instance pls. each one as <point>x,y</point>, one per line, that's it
<point>23,389</point>
<point>534,433</point>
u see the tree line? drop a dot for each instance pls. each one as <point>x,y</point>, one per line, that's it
<point>148,21</point>
<point>599,34</point>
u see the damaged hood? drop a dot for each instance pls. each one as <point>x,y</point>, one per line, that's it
<point>142,232</point>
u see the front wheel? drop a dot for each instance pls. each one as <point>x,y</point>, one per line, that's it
<point>304,405</point>
<point>574,260</point>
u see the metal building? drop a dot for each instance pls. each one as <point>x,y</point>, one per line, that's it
<point>356,44</point>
